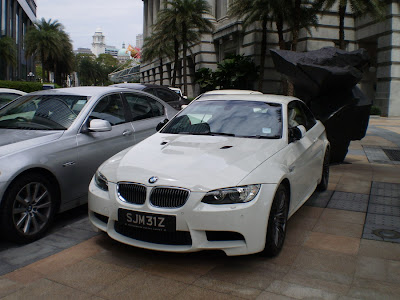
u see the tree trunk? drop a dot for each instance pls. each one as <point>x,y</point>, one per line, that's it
<point>176,59</point>
<point>279,27</point>
<point>184,51</point>
<point>161,71</point>
<point>262,56</point>
<point>342,15</point>
<point>296,24</point>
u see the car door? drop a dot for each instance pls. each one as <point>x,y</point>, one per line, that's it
<point>96,147</point>
<point>301,165</point>
<point>170,97</point>
<point>146,112</point>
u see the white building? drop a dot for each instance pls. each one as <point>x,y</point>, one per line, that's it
<point>98,44</point>
<point>381,39</point>
<point>139,41</point>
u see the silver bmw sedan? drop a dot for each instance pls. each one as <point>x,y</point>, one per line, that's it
<point>52,142</point>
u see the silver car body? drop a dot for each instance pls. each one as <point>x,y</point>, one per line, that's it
<point>71,156</point>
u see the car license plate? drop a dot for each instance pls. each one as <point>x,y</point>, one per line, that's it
<point>144,220</point>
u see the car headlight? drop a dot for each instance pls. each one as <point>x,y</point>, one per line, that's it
<point>101,181</point>
<point>239,194</point>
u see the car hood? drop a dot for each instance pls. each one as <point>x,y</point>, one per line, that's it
<point>16,140</point>
<point>199,163</point>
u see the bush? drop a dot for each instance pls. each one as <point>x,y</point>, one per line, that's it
<point>24,86</point>
<point>375,110</point>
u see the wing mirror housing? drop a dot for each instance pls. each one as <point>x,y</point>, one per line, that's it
<point>296,133</point>
<point>183,106</point>
<point>99,125</point>
<point>161,124</point>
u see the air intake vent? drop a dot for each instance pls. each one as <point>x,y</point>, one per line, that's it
<point>168,197</point>
<point>132,193</point>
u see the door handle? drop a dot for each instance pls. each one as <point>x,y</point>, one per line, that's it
<point>127,133</point>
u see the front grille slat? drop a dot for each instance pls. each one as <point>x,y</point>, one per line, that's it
<point>132,192</point>
<point>168,197</point>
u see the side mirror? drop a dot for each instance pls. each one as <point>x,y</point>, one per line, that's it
<point>296,133</point>
<point>99,125</point>
<point>183,106</point>
<point>161,124</point>
<point>185,97</point>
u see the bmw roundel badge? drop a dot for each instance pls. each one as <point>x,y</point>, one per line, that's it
<point>153,179</point>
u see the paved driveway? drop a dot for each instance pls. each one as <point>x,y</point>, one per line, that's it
<point>343,244</point>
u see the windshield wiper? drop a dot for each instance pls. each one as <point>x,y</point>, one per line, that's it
<point>207,133</point>
<point>261,136</point>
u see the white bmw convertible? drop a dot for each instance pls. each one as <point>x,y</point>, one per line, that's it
<point>225,173</point>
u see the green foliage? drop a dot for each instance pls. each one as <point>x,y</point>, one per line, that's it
<point>205,79</point>
<point>24,86</point>
<point>234,72</point>
<point>94,71</point>
<point>375,110</point>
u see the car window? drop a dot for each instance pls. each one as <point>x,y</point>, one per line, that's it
<point>111,109</point>
<point>251,119</point>
<point>7,97</point>
<point>296,115</point>
<point>143,107</point>
<point>310,119</point>
<point>167,96</point>
<point>44,112</point>
<point>151,91</point>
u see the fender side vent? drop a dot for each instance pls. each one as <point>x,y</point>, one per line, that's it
<point>226,147</point>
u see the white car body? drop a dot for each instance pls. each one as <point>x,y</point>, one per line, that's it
<point>202,163</point>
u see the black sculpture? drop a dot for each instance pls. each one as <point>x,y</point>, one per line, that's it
<point>326,81</point>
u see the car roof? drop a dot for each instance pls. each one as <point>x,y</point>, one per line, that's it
<point>138,86</point>
<point>5,90</point>
<point>231,91</point>
<point>249,97</point>
<point>81,91</point>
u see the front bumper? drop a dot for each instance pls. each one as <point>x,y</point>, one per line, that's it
<point>236,229</point>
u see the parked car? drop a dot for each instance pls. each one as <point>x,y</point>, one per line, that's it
<point>225,173</point>
<point>178,91</point>
<point>6,95</point>
<point>228,92</point>
<point>162,92</point>
<point>52,142</point>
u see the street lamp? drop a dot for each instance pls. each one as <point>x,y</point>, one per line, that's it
<point>31,76</point>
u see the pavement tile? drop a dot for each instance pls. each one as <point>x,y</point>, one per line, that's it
<point>172,272</point>
<point>382,200</point>
<point>335,263</point>
<point>319,199</point>
<point>386,173</point>
<point>378,269</point>
<point>384,220</point>
<point>381,233</point>
<point>94,276</point>
<point>343,216</point>
<point>296,236</point>
<point>339,228</point>
<point>66,258</point>
<point>373,289</point>
<point>299,292</point>
<point>300,222</point>
<point>358,186</point>
<point>8,286</point>
<point>331,282</point>
<point>194,292</point>
<point>272,296</point>
<point>379,249</point>
<point>5,267</point>
<point>141,285</point>
<point>378,141</point>
<point>24,275</point>
<point>384,209</point>
<point>342,244</point>
<point>46,289</point>
<point>227,288</point>
<point>243,275</point>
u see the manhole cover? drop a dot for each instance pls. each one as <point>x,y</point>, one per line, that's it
<point>392,154</point>
<point>387,234</point>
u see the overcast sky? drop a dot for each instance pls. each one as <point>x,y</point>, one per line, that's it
<point>120,20</point>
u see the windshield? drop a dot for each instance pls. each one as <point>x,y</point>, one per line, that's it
<point>42,112</point>
<point>238,118</point>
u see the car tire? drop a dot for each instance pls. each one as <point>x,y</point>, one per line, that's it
<point>277,220</point>
<point>323,185</point>
<point>28,208</point>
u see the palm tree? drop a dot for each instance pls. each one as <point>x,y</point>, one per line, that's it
<point>183,22</point>
<point>373,7</point>
<point>48,40</point>
<point>157,46</point>
<point>8,51</point>
<point>254,11</point>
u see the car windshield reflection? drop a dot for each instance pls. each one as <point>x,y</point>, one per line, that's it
<point>246,119</point>
<point>42,112</point>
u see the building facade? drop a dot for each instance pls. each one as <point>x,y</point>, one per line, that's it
<point>16,16</point>
<point>382,40</point>
<point>98,44</point>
